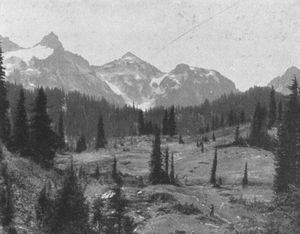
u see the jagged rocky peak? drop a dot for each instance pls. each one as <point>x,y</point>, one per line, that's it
<point>281,83</point>
<point>51,41</point>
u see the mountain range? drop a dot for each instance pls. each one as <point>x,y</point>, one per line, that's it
<point>126,80</point>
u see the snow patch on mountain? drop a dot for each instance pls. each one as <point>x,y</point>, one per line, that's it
<point>157,80</point>
<point>39,51</point>
<point>117,91</point>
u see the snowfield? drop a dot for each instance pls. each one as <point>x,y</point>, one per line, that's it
<point>40,52</point>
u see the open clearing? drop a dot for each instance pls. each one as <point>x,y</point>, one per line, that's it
<point>236,208</point>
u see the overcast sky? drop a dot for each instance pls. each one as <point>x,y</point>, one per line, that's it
<point>249,41</point>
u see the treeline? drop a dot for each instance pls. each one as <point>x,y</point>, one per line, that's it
<point>81,113</point>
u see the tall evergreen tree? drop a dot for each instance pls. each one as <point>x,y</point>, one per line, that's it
<point>81,144</point>
<point>155,175</point>
<point>61,132</point>
<point>141,123</point>
<point>213,178</point>
<point>172,122</point>
<point>172,170</point>
<point>115,174</point>
<point>71,211</point>
<point>259,126</point>
<point>44,211</point>
<point>20,137</point>
<point>287,159</point>
<point>117,203</point>
<point>237,134</point>
<point>280,110</point>
<point>272,109</point>
<point>4,105</point>
<point>42,136</point>
<point>245,178</point>
<point>165,123</point>
<point>213,137</point>
<point>167,161</point>
<point>100,139</point>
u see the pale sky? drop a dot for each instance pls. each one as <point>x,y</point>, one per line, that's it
<point>250,43</point>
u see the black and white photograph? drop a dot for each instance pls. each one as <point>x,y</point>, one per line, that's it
<point>149,117</point>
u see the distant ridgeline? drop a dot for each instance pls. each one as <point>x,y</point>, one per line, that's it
<point>81,112</point>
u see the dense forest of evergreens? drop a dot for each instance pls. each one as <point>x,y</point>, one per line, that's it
<point>81,113</point>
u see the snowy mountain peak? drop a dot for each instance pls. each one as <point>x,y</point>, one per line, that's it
<point>51,41</point>
<point>130,56</point>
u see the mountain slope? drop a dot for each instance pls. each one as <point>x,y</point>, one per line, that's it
<point>140,82</point>
<point>8,45</point>
<point>48,64</point>
<point>130,77</point>
<point>281,83</point>
<point>187,85</point>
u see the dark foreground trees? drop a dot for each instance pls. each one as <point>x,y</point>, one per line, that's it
<point>20,138</point>
<point>287,161</point>
<point>68,212</point>
<point>4,105</point>
<point>43,139</point>
<point>100,138</point>
<point>7,209</point>
<point>213,177</point>
<point>155,163</point>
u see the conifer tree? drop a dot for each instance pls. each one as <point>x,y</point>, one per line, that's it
<point>114,172</point>
<point>20,137</point>
<point>280,111</point>
<point>44,211</point>
<point>180,140</point>
<point>4,105</point>
<point>81,144</point>
<point>167,161</point>
<point>237,134</point>
<point>165,124</point>
<point>259,127</point>
<point>213,137</point>
<point>272,109</point>
<point>100,140</point>
<point>202,147</point>
<point>172,122</point>
<point>213,178</point>
<point>117,203</point>
<point>165,172</point>
<point>245,178</point>
<point>172,170</point>
<point>71,211</point>
<point>286,160</point>
<point>141,123</point>
<point>42,136</point>
<point>61,132</point>
<point>155,175</point>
